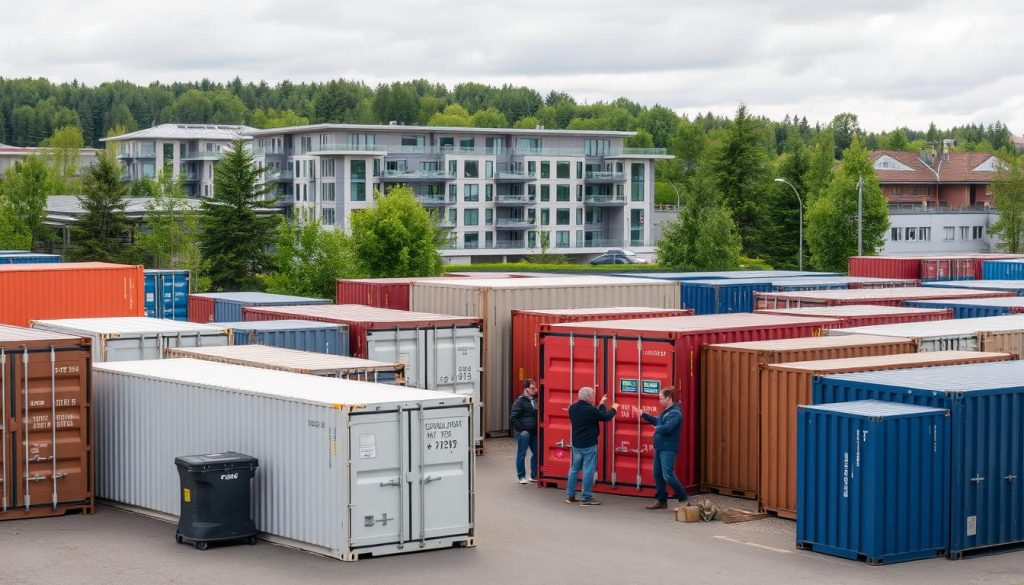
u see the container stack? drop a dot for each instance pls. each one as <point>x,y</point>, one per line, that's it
<point>227,307</point>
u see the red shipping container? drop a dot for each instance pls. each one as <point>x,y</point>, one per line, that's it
<point>69,291</point>
<point>200,309</point>
<point>630,361</point>
<point>527,325</point>
<point>878,296</point>
<point>386,293</point>
<point>886,267</point>
<point>865,315</point>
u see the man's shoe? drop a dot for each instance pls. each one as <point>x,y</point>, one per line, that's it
<point>533,479</point>
<point>656,505</point>
<point>571,500</point>
<point>522,480</point>
<point>590,503</point>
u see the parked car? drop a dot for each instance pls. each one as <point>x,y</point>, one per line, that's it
<point>619,257</point>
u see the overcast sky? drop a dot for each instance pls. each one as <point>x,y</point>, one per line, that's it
<point>891,62</point>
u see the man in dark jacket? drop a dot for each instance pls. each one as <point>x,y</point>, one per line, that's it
<point>667,428</point>
<point>524,425</point>
<point>585,419</point>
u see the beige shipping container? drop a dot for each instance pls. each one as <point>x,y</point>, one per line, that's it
<point>729,399</point>
<point>494,300</point>
<point>295,361</point>
<point>1004,333</point>
<point>784,387</point>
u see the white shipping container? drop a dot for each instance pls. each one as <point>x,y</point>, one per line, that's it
<point>346,468</point>
<point>494,300</point>
<point>296,361</point>
<point>1002,333</point>
<point>117,339</point>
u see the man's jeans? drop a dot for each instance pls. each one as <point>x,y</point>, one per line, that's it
<point>665,473</point>
<point>523,440</point>
<point>584,458</point>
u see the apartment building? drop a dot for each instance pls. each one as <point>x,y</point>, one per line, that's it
<point>190,150</point>
<point>9,155</point>
<point>501,193</point>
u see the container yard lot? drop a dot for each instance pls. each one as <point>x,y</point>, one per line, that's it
<point>524,535</point>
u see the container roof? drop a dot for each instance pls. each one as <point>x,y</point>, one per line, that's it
<point>331,392</point>
<point>961,378</point>
<point>905,292</point>
<point>598,311</point>
<point>797,343</point>
<point>875,408</point>
<point>277,325</point>
<point>12,334</point>
<point>255,297</point>
<point>124,326</point>
<point>283,357</point>
<point>883,361</point>
<point>946,327</point>
<point>986,302</point>
<point>853,311</point>
<point>544,282</point>
<point>366,314</point>
<point>695,323</point>
<point>727,274</point>
<point>63,266</point>
<point>980,284</point>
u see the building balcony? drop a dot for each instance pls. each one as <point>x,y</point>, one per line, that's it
<point>446,224</point>
<point>514,176</point>
<point>189,177</point>
<point>280,176</point>
<point>271,152</point>
<point>438,200</point>
<point>344,149</point>
<point>137,153</point>
<point>508,200</point>
<point>513,223</point>
<point>417,176</point>
<point>605,200</point>
<point>203,155</point>
<point>605,177</point>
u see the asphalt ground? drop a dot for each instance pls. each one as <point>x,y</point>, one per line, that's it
<point>525,535</point>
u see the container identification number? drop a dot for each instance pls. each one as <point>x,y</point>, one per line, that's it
<point>463,374</point>
<point>440,435</point>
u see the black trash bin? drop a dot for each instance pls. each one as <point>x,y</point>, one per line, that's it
<point>216,498</point>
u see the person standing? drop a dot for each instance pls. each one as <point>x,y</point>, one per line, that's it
<point>524,424</point>
<point>667,428</point>
<point>585,419</point>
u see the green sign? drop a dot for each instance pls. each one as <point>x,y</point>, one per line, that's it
<point>651,386</point>
<point>627,386</point>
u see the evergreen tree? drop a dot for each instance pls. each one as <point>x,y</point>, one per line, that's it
<point>897,140</point>
<point>98,234</point>
<point>823,159</point>
<point>781,230</point>
<point>397,237</point>
<point>742,173</point>
<point>170,238</point>
<point>703,236</point>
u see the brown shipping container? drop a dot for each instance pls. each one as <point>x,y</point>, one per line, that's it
<point>45,400</point>
<point>867,315</point>
<point>784,387</point>
<point>292,360</point>
<point>527,325</point>
<point>729,399</point>
<point>69,291</point>
<point>864,296</point>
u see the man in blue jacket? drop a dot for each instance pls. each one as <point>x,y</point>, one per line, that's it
<point>585,419</point>
<point>667,428</point>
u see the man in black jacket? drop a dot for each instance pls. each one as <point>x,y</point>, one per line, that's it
<point>524,425</point>
<point>586,419</point>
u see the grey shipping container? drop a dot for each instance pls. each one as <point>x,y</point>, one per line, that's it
<point>297,334</point>
<point>493,301</point>
<point>295,361</point>
<point>118,339</point>
<point>1002,334</point>
<point>346,468</point>
<point>228,306</point>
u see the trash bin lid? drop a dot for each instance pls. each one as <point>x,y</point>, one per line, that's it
<point>225,460</point>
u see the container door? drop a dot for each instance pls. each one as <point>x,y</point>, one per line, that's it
<point>152,297</point>
<point>404,346</point>
<point>195,340</point>
<point>140,347</point>
<point>441,472</point>
<point>637,371</point>
<point>379,511</point>
<point>453,365</point>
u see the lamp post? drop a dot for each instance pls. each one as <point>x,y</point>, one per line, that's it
<point>800,203</point>
<point>677,195</point>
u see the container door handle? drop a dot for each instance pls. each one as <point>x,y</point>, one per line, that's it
<point>430,478</point>
<point>977,479</point>
<point>1010,478</point>
<point>390,482</point>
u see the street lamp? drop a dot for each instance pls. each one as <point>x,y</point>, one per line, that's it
<point>677,195</point>
<point>800,203</point>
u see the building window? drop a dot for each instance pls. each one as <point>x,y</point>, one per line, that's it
<point>977,232</point>
<point>531,239</point>
<point>531,168</point>
<point>636,227</point>
<point>949,233</point>
<point>471,240</point>
<point>471,169</point>
<point>327,167</point>
<point>488,192</point>
<point>562,170</point>
<point>562,239</point>
<point>528,145</point>
<point>895,234</point>
<point>471,216</point>
<point>545,169</point>
<point>489,169</point>
<point>358,183</point>
<point>531,192</point>
<point>579,170</point>
<point>430,166</point>
<point>545,217</point>
<point>305,193</point>
<point>305,144</point>
<point>453,217</point>
<point>467,144</point>
<point>447,143</point>
<point>897,190</point>
<point>358,191</point>
<point>562,217</point>
<point>488,216</point>
<point>453,192</point>
<point>910,234</point>
<point>596,147</point>
<point>471,192</point>
<point>579,193</point>
<point>417,140</point>
<point>562,193</point>
<point>579,238</point>
<point>395,166</point>
<point>637,181</point>
<point>913,190</point>
<point>593,216</point>
<point>579,216</point>
<point>924,234</point>
<point>488,239</point>
<point>494,145</point>
<point>965,232</point>
<point>545,193</point>
<point>328,190</point>
<point>376,167</point>
<point>327,217</point>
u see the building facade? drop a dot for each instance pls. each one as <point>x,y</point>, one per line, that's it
<point>501,193</point>
<point>9,155</point>
<point>190,150</point>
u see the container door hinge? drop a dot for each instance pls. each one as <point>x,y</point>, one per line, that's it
<point>977,479</point>
<point>1010,477</point>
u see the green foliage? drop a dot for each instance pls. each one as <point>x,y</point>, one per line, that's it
<point>703,236</point>
<point>742,174</point>
<point>309,260</point>
<point>170,237</point>
<point>832,218</point>
<point>397,237</point>
<point>207,107</point>
<point>643,139</point>
<point>489,118</point>
<point>845,127</point>
<point>660,123</point>
<point>1008,197</point>
<point>781,229</point>
<point>62,156</point>
<point>823,159</point>
<point>234,237</point>
<point>23,194</point>
<point>545,256</point>
<point>271,118</point>
<point>453,115</point>
<point>144,187</point>
<point>897,140</point>
<point>99,233</point>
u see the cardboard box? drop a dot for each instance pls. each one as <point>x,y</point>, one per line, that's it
<point>688,514</point>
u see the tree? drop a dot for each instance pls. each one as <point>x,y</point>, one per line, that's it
<point>661,122</point>
<point>489,118</point>
<point>170,238</point>
<point>832,218</point>
<point>703,236</point>
<point>23,194</point>
<point>897,140</point>
<point>234,236</point>
<point>844,126</point>
<point>823,159</point>
<point>97,235</point>
<point>781,230</point>
<point>12,237</point>
<point>453,115</point>
<point>62,155</point>
<point>309,260</point>
<point>741,170</point>
<point>1008,198</point>
<point>397,237</point>
<point>271,118</point>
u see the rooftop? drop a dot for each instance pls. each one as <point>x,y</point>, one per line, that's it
<point>398,128</point>
<point>895,166</point>
<point>187,132</point>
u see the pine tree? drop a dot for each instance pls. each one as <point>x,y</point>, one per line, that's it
<point>703,236</point>
<point>741,170</point>
<point>781,230</point>
<point>99,233</point>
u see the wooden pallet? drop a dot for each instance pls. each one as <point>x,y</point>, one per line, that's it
<point>721,491</point>
<point>735,515</point>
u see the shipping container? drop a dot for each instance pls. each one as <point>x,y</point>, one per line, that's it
<point>784,387</point>
<point>878,296</point>
<point>440,352</point>
<point>866,315</point>
<point>948,269</point>
<point>630,361</point>
<point>724,274</point>
<point>119,339</point>
<point>1003,334</point>
<point>69,290</point>
<point>1003,269</point>
<point>298,362</point>
<point>492,301</point>
<point>498,274</point>
<point>886,267</point>
<point>167,294</point>
<point>974,308</point>
<point>346,468</point>
<point>384,293</point>
<point>303,335</point>
<point>227,307</point>
<point>527,325</point>
<point>28,258</point>
<point>708,297</point>
<point>730,399</point>
<point>1014,286</point>
<point>45,378</point>
<point>873,481</point>
<point>986,402</point>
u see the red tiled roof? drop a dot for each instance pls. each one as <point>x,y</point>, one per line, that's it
<point>960,168</point>
<point>921,173</point>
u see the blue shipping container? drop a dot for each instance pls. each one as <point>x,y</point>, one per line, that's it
<point>707,297</point>
<point>986,404</point>
<point>167,294</point>
<point>227,307</point>
<point>872,481</point>
<point>724,274</point>
<point>1003,269</point>
<point>1014,286</point>
<point>974,308</point>
<point>313,336</point>
<point>9,257</point>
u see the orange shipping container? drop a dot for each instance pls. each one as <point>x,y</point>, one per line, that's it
<point>729,399</point>
<point>69,291</point>
<point>783,387</point>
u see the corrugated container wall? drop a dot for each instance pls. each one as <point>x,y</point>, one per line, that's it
<point>975,308</point>
<point>227,307</point>
<point>708,297</point>
<point>784,387</point>
<point>724,274</point>
<point>298,362</point>
<point>28,258</point>
<point>986,402</point>
<point>866,315</point>
<point>1003,334</point>
<point>297,334</point>
<point>885,267</point>
<point>45,378</point>
<point>334,455</point>
<point>167,294</point>
<point>527,325</point>
<point>1015,287</point>
<point>69,290</point>
<point>885,296</point>
<point>385,293</point>
<point>730,399</point>
<point>493,301</point>
<point>873,481</point>
<point>136,338</point>
<point>630,361</point>
<point>1003,269</point>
